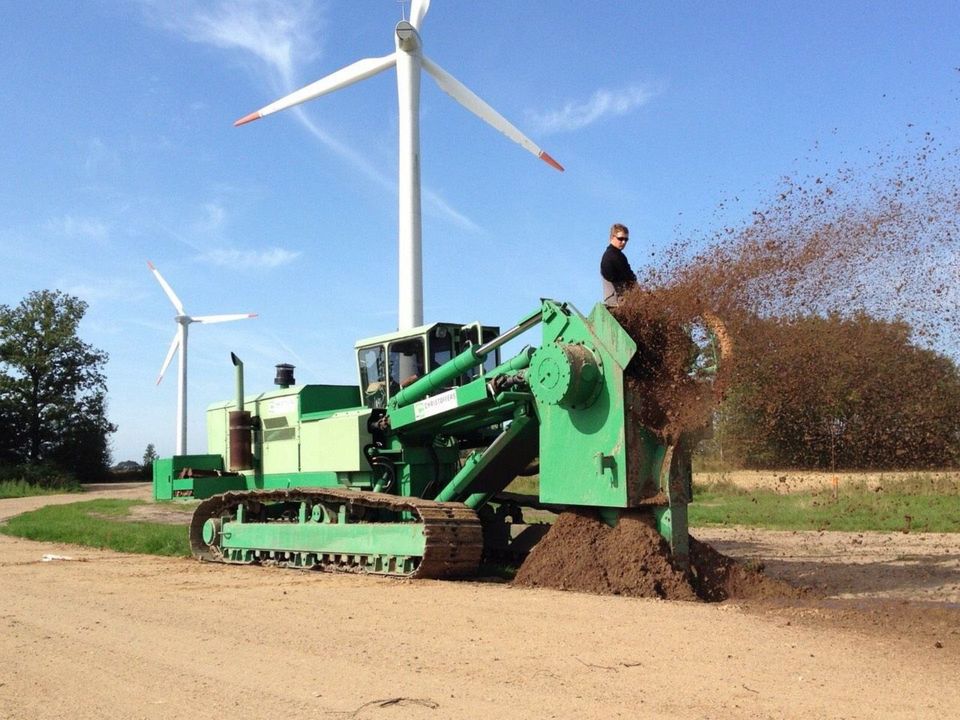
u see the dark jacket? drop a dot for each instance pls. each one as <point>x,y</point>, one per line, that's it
<point>616,273</point>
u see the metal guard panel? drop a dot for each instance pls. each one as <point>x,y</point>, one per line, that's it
<point>335,444</point>
<point>612,337</point>
<point>324,479</point>
<point>353,538</point>
<point>583,459</point>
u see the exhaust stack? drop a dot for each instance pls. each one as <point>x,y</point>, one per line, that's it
<point>241,427</point>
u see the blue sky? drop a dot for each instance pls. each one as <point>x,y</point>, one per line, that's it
<point>118,147</point>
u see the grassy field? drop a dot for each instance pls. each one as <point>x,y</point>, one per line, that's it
<point>100,524</point>
<point>852,509</point>
<point>21,488</point>
<point>911,482</point>
<point>891,502</point>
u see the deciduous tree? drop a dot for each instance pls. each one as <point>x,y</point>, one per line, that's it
<point>52,386</point>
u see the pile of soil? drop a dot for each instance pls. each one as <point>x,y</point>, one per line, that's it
<point>584,554</point>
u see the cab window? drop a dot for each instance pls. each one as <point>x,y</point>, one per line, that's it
<point>406,363</point>
<point>493,359</point>
<point>373,376</point>
<point>468,337</point>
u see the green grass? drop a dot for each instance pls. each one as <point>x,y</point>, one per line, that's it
<point>853,510</point>
<point>21,488</point>
<point>100,524</point>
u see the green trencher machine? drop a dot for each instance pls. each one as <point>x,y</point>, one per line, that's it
<point>405,474</point>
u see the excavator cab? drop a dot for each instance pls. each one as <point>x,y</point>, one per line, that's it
<point>388,363</point>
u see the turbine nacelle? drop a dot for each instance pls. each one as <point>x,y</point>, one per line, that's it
<point>408,39</point>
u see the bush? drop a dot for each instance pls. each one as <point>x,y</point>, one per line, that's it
<point>43,475</point>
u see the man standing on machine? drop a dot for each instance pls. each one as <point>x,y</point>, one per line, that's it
<point>615,271</point>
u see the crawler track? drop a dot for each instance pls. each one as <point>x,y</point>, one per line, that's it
<point>453,537</point>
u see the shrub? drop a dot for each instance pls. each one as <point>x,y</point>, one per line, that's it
<point>43,475</point>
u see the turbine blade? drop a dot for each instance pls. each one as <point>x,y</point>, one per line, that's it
<point>221,318</point>
<point>166,362</point>
<point>463,95</point>
<point>167,289</point>
<point>360,70</point>
<point>417,12</point>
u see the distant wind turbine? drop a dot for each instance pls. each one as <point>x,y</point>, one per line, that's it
<point>180,341</point>
<point>408,59</point>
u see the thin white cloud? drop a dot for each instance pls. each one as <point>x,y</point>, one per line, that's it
<point>603,104</point>
<point>234,258</point>
<point>436,205</point>
<point>72,227</point>
<point>215,216</point>
<point>280,36</point>
<point>266,345</point>
<point>179,237</point>
<point>279,33</point>
<point>212,220</point>
<point>440,205</point>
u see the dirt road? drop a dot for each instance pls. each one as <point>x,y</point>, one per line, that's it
<point>106,635</point>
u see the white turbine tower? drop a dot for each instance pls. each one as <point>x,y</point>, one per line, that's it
<point>180,341</point>
<point>408,59</point>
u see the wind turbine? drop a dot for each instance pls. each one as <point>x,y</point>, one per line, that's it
<point>180,341</point>
<point>408,59</point>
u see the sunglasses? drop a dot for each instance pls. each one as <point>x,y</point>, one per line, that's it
<point>621,238</point>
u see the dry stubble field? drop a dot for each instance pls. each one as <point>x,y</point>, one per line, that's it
<point>106,635</point>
